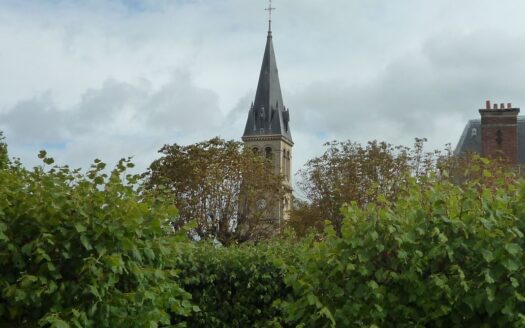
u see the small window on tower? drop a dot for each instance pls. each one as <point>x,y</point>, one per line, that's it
<point>268,152</point>
<point>473,132</point>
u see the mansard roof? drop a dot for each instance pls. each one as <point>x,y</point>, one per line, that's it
<point>267,115</point>
<point>470,140</point>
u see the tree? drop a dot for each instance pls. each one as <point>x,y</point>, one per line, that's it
<point>350,172</point>
<point>227,189</point>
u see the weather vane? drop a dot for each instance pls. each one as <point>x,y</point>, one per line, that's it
<point>270,9</point>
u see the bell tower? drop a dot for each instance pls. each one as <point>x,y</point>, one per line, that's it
<point>267,128</point>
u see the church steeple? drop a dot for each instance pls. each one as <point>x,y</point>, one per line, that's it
<point>268,116</point>
<point>267,130</point>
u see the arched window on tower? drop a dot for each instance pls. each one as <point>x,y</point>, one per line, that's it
<point>255,150</point>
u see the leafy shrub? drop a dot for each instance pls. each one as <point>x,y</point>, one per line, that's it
<point>87,250</point>
<point>4,157</point>
<point>83,251</point>
<point>441,255</point>
<point>235,286</point>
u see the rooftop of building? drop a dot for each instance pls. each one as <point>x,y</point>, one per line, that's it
<point>470,140</point>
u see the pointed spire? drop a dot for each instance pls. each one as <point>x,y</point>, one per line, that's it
<point>268,115</point>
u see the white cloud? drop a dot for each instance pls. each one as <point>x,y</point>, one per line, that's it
<point>121,119</point>
<point>112,78</point>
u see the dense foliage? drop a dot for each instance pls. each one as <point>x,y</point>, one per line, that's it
<point>219,184</point>
<point>351,172</point>
<point>89,250</point>
<point>236,286</point>
<point>83,251</point>
<point>4,157</point>
<point>441,255</point>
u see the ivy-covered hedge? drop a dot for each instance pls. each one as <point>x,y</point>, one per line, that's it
<point>442,255</point>
<point>84,251</point>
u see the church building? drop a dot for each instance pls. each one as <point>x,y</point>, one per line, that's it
<point>499,132</point>
<point>267,128</point>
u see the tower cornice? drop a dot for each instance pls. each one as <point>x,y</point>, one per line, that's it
<point>269,137</point>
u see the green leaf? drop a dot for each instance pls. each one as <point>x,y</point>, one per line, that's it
<point>85,242</point>
<point>488,277</point>
<point>513,249</point>
<point>27,280</point>
<point>519,297</point>
<point>59,323</point>
<point>491,295</point>
<point>487,255</point>
<point>373,285</point>
<point>80,227</point>
<point>327,314</point>
<point>511,265</point>
<point>311,299</point>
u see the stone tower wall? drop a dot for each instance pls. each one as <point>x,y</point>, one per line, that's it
<point>281,153</point>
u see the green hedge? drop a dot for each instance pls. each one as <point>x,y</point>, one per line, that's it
<point>236,286</point>
<point>86,250</point>
<point>83,251</point>
<point>441,256</point>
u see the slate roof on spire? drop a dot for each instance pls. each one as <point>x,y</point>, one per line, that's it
<point>268,116</point>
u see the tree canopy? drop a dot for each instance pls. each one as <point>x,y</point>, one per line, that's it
<point>350,172</point>
<point>227,189</point>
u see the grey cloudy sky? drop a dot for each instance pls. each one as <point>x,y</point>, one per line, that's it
<point>113,78</point>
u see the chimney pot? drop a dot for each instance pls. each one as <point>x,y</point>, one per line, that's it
<point>509,105</point>
<point>495,106</point>
<point>502,106</point>
<point>487,103</point>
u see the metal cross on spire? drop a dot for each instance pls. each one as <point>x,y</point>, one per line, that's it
<point>270,9</point>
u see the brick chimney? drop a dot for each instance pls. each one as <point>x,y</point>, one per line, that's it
<point>499,132</point>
